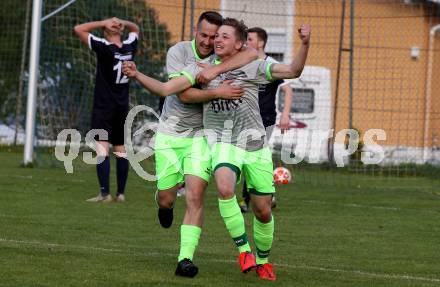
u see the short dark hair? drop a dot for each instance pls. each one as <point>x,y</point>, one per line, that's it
<point>239,26</point>
<point>212,17</point>
<point>261,34</point>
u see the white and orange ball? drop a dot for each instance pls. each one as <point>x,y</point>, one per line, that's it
<point>282,175</point>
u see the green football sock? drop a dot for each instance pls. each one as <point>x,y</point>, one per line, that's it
<point>231,214</point>
<point>263,238</point>
<point>189,239</point>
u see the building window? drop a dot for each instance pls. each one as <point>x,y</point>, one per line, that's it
<point>303,101</point>
<point>277,56</point>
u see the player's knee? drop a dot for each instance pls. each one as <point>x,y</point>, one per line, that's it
<point>264,216</point>
<point>263,212</point>
<point>165,203</point>
<point>119,151</point>
<point>225,192</point>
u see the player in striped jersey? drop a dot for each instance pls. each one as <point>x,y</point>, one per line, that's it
<point>231,122</point>
<point>257,39</point>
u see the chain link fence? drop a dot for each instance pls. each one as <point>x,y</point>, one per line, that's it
<point>373,65</point>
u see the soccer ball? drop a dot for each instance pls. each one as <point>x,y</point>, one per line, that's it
<point>281,175</point>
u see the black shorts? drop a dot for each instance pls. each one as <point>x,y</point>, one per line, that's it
<point>112,120</point>
<point>269,122</point>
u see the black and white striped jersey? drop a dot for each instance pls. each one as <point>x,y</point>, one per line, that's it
<point>111,85</point>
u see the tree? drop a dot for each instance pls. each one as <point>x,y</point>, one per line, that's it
<point>67,67</point>
<point>12,21</point>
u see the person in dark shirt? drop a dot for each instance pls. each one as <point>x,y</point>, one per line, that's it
<point>257,39</point>
<point>111,95</point>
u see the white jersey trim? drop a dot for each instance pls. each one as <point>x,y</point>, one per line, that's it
<point>97,39</point>
<point>132,36</point>
<point>270,59</point>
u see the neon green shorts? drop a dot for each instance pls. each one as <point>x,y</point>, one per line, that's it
<point>256,166</point>
<point>177,157</point>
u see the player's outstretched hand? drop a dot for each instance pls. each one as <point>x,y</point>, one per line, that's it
<point>208,73</point>
<point>227,91</point>
<point>129,69</point>
<point>304,34</point>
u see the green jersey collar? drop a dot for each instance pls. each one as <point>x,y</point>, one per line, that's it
<point>217,61</point>
<point>193,45</point>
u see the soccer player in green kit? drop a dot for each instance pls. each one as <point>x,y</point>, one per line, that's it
<point>181,155</point>
<point>235,154</point>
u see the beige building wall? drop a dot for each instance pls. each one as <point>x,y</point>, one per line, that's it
<point>388,85</point>
<point>435,95</point>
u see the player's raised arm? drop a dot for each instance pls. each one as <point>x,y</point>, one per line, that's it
<point>244,57</point>
<point>225,91</point>
<point>83,30</point>
<point>294,70</point>
<point>132,27</point>
<point>173,86</point>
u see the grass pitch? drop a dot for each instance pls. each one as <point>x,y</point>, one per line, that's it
<point>326,234</point>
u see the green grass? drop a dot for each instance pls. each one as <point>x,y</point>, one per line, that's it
<point>328,233</point>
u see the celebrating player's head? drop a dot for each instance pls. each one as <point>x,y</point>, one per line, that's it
<point>205,31</point>
<point>257,38</point>
<point>113,28</point>
<point>230,38</point>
